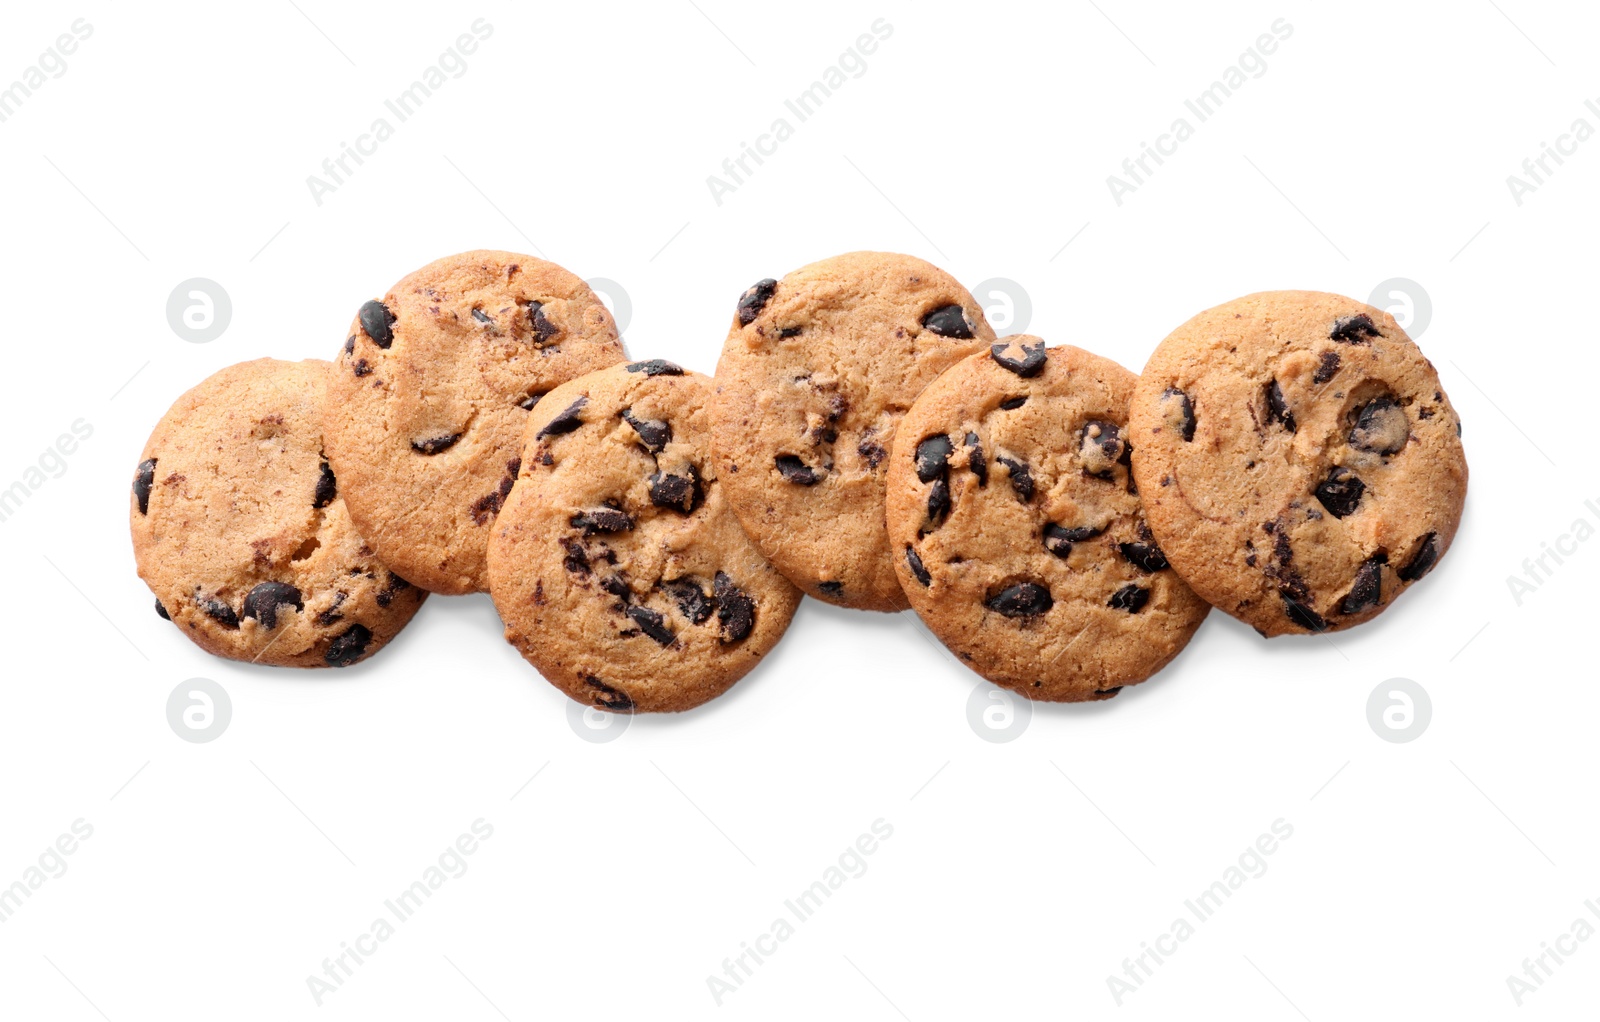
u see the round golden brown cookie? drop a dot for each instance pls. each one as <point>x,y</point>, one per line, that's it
<point>1299,462</point>
<point>1019,533</point>
<point>817,370</point>
<point>431,393</point>
<point>616,564</point>
<point>241,531</point>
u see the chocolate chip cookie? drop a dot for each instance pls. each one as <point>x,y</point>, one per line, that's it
<point>432,391</point>
<point>817,371</point>
<point>241,531</point>
<point>619,569</point>
<point>1299,461</point>
<point>1017,528</point>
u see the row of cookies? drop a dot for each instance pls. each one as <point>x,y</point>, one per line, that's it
<point>639,526</point>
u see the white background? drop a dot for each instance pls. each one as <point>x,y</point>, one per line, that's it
<point>1019,875</point>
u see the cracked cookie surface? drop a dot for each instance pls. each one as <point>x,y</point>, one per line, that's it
<point>616,564</point>
<point>1019,534</point>
<point>431,393</point>
<point>240,530</point>
<point>1300,464</point>
<point>816,373</point>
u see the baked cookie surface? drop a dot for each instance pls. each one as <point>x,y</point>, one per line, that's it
<point>1018,532</point>
<point>1299,462</point>
<point>431,392</point>
<point>617,565</point>
<point>816,372</point>
<point>241,532</point>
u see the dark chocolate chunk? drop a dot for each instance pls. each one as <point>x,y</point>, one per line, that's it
<point>691,599</point>
<point>1021,477</point>
<point>218,611</point>
<point>651,623</point>
<point>394,587</point>
<point>362,367</point>
<point>327,487</point>
<point>608,698</point>
<point>656,367</point>
<point>377,322</point>
<point>434,445</point>
<point>654,433</point>
<point>938,501</point>
<point>789,331</point>
<point>1340,492</point>
<point>1302,614</point>
<point>871,452</point>
<point>1011,404</point>
<point>349,647</point>
<point>1277,408</point>
<point>544,331</point>
<point>1179,411</point>
<point>918,571</point>
<point>1144,556</point>
<point>1354,329</point>
<point>162,612</point>
<point>565,422</point>
<point>577,559</point>
<point>948,321</point>
<point>1058,539</point>
<point>796,471</point>
<point>481,316</point>
<point>679,492</point>
<point>602,519</point>
<point>617,586</point>
<point>1423,560</point>
<point>1108,692</point>
<point>1367,588</point>
<point>975,462</point>
<point>754,299</point>
<point>329,616</point>
<point>263,601</point>
<point>1100,446</point>
<point>1327,366</point>
<point>1130,598</point>
<point>1381,427</point>
<point>1025,599</point>
<point>832,588</point>
<point>1031,363</point>
<point>932,457</point>
<point>143,480</point>
<point>735,610</point>
<point>527,403</point>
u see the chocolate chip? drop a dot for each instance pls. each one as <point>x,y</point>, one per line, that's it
<point>1031,363</point>
<point>1326,367</point>
<point>796,471</point>
<point>1381,427</point>
<point>162,612</point>
<point>1058,539</point>
<point>1011,404</point>
<point>1178,411</point>
<point>1367,588</point>
<point>481,316</point>
<point>832,588</point>
<point>1423,560</point>
<point>1277,408</point>
<point>918,571</point>
<point>617,586</point>
<point>933,457</point>
<point>527,403</point>
<point>938,501</point>
<point>1301,614</point>
<point>1101,448</point>
<point>350,344</point>
<point>1130,598</point>
<point>394,587</point>
<point>263,601</point>
<point>219,612</point>
<point>948,321</point>
<point>486,507</point>
<point>434,445</point>
<point>1144,556</point>
<point>602,519</point>
<point>143,480</point>
<point>691,599</point>
<point>1340,492</point>
<point>327,487</point>
<point>329,616</point>
<point>608,698</point>
<point>656,367</point>
<point>975,462</point>
<point>544,331</point>
<point>735,610</point>
<point>362,367</point>
<point>378,322</point>
<point>565,422</point>
<point>1025,599</point>
<point>871,452</point>
<point>754,299</point>
<point>577,559</point>
<point>1108,692</point>
<point>789,331</point>
<point>349,647</point>
<point>1354,329</point>
<point>652,624</point>
<point>1021,477</point>
<point>679,492</point>
<point>655,433</point>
